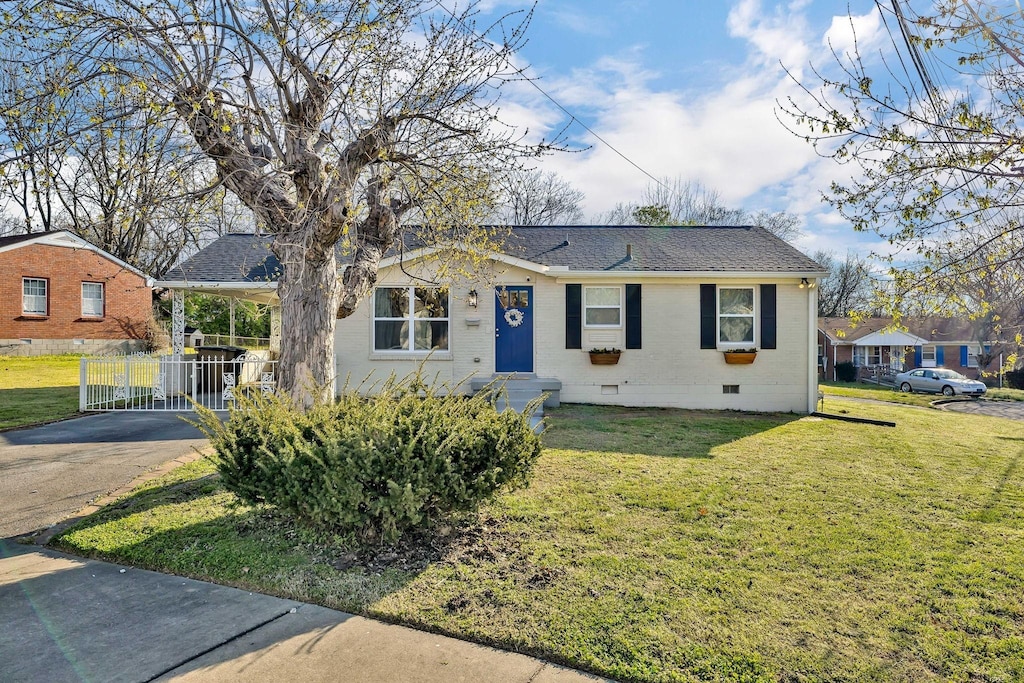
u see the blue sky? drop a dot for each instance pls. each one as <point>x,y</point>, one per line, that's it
<point>688,88</point>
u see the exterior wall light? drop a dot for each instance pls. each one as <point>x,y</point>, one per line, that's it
<point>471,301</point>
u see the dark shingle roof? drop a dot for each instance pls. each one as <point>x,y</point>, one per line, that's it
<point>231,258</point>
<point>14,239</point>
<point>933,328</point>
<point>658,249</point>
<point>247,258</point>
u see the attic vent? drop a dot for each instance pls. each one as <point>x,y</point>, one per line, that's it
<point>629,251</point>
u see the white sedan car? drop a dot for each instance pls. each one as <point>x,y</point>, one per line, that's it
<point>939,381</point>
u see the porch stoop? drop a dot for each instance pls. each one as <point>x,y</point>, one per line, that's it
<point>518,390</point>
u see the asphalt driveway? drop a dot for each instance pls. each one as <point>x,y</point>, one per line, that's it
<point>1013,410</point>
<point>48,473</point>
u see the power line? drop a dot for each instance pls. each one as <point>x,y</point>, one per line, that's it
<point>531,81</point>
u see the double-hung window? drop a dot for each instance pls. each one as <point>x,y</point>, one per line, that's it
<point>736,317</point>
<point>602,306</point>
<point>33,296</point>
<point>410,319</point>
<point>972,356</point>
<point>92,299</point>
<point>928,355</point>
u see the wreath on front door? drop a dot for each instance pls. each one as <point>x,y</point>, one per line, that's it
<point>514,317</point>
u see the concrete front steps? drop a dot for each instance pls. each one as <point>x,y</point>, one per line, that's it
<point>516,390</point>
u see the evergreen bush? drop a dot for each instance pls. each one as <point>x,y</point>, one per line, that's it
<point>378,466</point>
<point>846,372</point>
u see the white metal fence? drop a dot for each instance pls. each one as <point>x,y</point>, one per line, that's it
<point>170,382</point>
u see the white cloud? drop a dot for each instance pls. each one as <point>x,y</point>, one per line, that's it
<point>775,36</point>
<point>582,21</point>
<point>857,32</point>
<point>724,136</point>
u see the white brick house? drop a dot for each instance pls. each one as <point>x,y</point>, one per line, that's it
<point>673,300</point>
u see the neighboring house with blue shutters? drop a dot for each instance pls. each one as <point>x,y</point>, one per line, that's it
<point>874,343</point>
<point>673,300</point>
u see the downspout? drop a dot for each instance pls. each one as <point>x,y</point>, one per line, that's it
<point>835,357</point>
<point>812,347</point>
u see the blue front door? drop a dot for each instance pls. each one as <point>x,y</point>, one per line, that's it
<point>513,329</point>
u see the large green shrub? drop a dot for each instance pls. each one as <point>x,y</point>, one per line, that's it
<point>378,466</point>
<point>1015,379</point>
<point>846,372</point>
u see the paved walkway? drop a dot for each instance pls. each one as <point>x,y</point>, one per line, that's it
<point>69,619</point>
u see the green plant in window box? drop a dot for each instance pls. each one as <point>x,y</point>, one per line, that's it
<point>605,356</point>
<point>740,356</point>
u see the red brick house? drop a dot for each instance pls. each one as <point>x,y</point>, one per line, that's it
<point>872,344</point>
<point>61,294</point>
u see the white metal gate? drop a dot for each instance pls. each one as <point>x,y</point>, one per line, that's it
<point>143,382</point>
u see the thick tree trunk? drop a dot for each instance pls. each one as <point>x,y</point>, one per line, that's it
<point>309,293</point>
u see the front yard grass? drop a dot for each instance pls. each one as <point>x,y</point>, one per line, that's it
<point>664,545</point>
<point>37,389</point>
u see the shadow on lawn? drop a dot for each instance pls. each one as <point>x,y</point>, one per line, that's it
<point>251,548</point>
<point>662,432</point>
<point>997,499</point>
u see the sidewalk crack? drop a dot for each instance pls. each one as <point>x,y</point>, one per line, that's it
<point>218,645</point>
<point>537,672</point>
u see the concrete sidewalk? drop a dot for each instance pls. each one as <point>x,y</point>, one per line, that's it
<point>69,619</point>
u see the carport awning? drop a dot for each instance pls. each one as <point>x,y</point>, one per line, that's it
<point>260,292</point>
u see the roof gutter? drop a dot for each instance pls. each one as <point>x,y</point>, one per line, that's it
<point>687,274</point>
<point>199,284</point>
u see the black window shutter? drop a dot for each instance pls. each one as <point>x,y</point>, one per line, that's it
<point>769,336</point>
<point>633,333</point>
<point>707,317</point>
<point>574,316</point>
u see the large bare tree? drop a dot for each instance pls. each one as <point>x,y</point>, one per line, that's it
<point>533,197</point>
<point>677,201</point>
<point>136,189</point>
<point>930,128</point>
<point>332,121</point>
<point>132,182</point>
<point>32,127</point>
<point>847,289</point>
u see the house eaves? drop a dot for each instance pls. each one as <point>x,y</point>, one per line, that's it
<point>69,240</point>
<point>426,252</point>
<point>568,275</point>
<point>889,338</point>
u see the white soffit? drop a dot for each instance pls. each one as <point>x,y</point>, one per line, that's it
<point>890,338</point>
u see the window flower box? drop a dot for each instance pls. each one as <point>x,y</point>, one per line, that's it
<point>605,356</point>
<point>740,356</point>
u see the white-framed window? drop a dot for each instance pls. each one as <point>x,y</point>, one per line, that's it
<point>602,306</point>
<point>928,356</point>
<point>410,319</point>
<point>867,355</point>
<point>92,299</point>
<point>972,356</point>
<point>33,295</point>
<point>736,320</point>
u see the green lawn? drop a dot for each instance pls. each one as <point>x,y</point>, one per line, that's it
<point>664,545</point>
<point>37,389</point>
